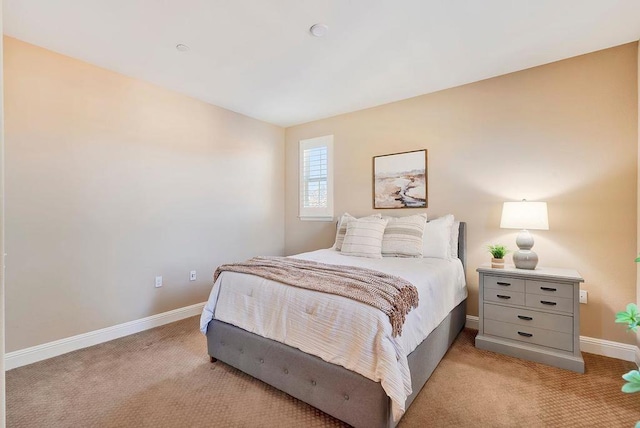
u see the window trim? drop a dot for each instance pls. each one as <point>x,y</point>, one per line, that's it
<point>322,213</point>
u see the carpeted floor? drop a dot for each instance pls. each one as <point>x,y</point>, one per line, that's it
<point>163,378</point>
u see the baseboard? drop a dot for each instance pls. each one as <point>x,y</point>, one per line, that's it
<point>606,348</point>
<point>37,353</point>
<point>621,351</point>
<point>472,322</point>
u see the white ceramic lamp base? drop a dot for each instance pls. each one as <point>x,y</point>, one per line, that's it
<point>524,258</point>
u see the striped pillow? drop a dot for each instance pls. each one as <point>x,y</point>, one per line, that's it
<point>364,237</point>
<point>403,236</point>
<point>342,228</point>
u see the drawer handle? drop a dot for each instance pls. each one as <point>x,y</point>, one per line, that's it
<point>502,296</point>
<point>503,283</point>
<point>548,289</point>
<point>546,302</point>
<point>522,317</point>
<point>521,333</point>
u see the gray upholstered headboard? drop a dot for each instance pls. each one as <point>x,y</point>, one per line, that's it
<point>462,244</point>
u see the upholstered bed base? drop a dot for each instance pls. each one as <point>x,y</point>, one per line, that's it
<point>333,389</point>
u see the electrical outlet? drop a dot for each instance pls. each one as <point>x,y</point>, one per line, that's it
<point>158,281</point>
<point>583,296</point>
<point>192,275</point>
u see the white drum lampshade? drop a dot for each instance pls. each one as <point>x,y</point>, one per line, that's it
<point>525,215</point>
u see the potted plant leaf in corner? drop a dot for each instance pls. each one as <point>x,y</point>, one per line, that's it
<point>631,317</point>
<point>498,252</point>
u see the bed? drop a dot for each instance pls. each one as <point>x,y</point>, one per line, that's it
<point>303,368</point>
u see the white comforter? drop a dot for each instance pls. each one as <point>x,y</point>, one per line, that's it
<point>337,329</point>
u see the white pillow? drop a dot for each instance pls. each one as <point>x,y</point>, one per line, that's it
<point>437,238</point>
<point>455,235</point>
<point>342,228</point>
<point>403,236</point>
<point>364,237</point>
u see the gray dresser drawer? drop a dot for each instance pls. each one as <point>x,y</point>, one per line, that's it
<point>559,304</point>
<point>536,336</point>
<point>504,296</point>
<point>502,283</point>
<point>531,314</point>
<point>546,288</point>
<point>525,317</point>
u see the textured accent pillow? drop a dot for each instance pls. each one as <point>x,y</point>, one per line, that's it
<point>455,235</point>
<point>403,236</point>
<point>364,237</point>
<point>342,228</point>
<point>437,238</point>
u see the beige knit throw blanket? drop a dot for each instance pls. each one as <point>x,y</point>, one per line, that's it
<point>391,294</point>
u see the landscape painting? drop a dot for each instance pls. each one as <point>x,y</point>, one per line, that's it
<point>400,180</point>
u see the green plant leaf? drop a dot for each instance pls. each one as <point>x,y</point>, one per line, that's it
<point>632,376</point>
<point>633,381</point>
<point>624,317</point>
<point>631,317</point>
<point>630,388</point>
<point>637,259</point>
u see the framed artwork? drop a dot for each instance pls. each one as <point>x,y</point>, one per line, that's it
<point>400,180</point>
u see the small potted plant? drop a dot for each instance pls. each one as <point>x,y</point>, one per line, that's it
<point>498,252</point>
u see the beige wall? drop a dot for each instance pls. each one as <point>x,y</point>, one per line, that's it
<point>565,133</point>
<point>111,181</point>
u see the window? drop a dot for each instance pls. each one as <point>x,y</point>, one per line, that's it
<point>316,179</point>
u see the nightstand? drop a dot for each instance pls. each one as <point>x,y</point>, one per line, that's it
<point>531,314</point>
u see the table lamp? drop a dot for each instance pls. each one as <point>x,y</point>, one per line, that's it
<point>525,215</point>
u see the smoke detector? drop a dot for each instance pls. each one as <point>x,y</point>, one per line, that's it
<point>318,30</point>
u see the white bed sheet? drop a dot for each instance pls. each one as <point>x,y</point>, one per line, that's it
<point>340,330</point>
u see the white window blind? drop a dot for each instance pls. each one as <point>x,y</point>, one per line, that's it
<point>316,178</point>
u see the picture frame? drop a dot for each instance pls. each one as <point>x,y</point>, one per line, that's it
<point>400,180</point>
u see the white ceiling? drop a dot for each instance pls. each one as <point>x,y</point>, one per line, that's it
<point>256,57</point>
